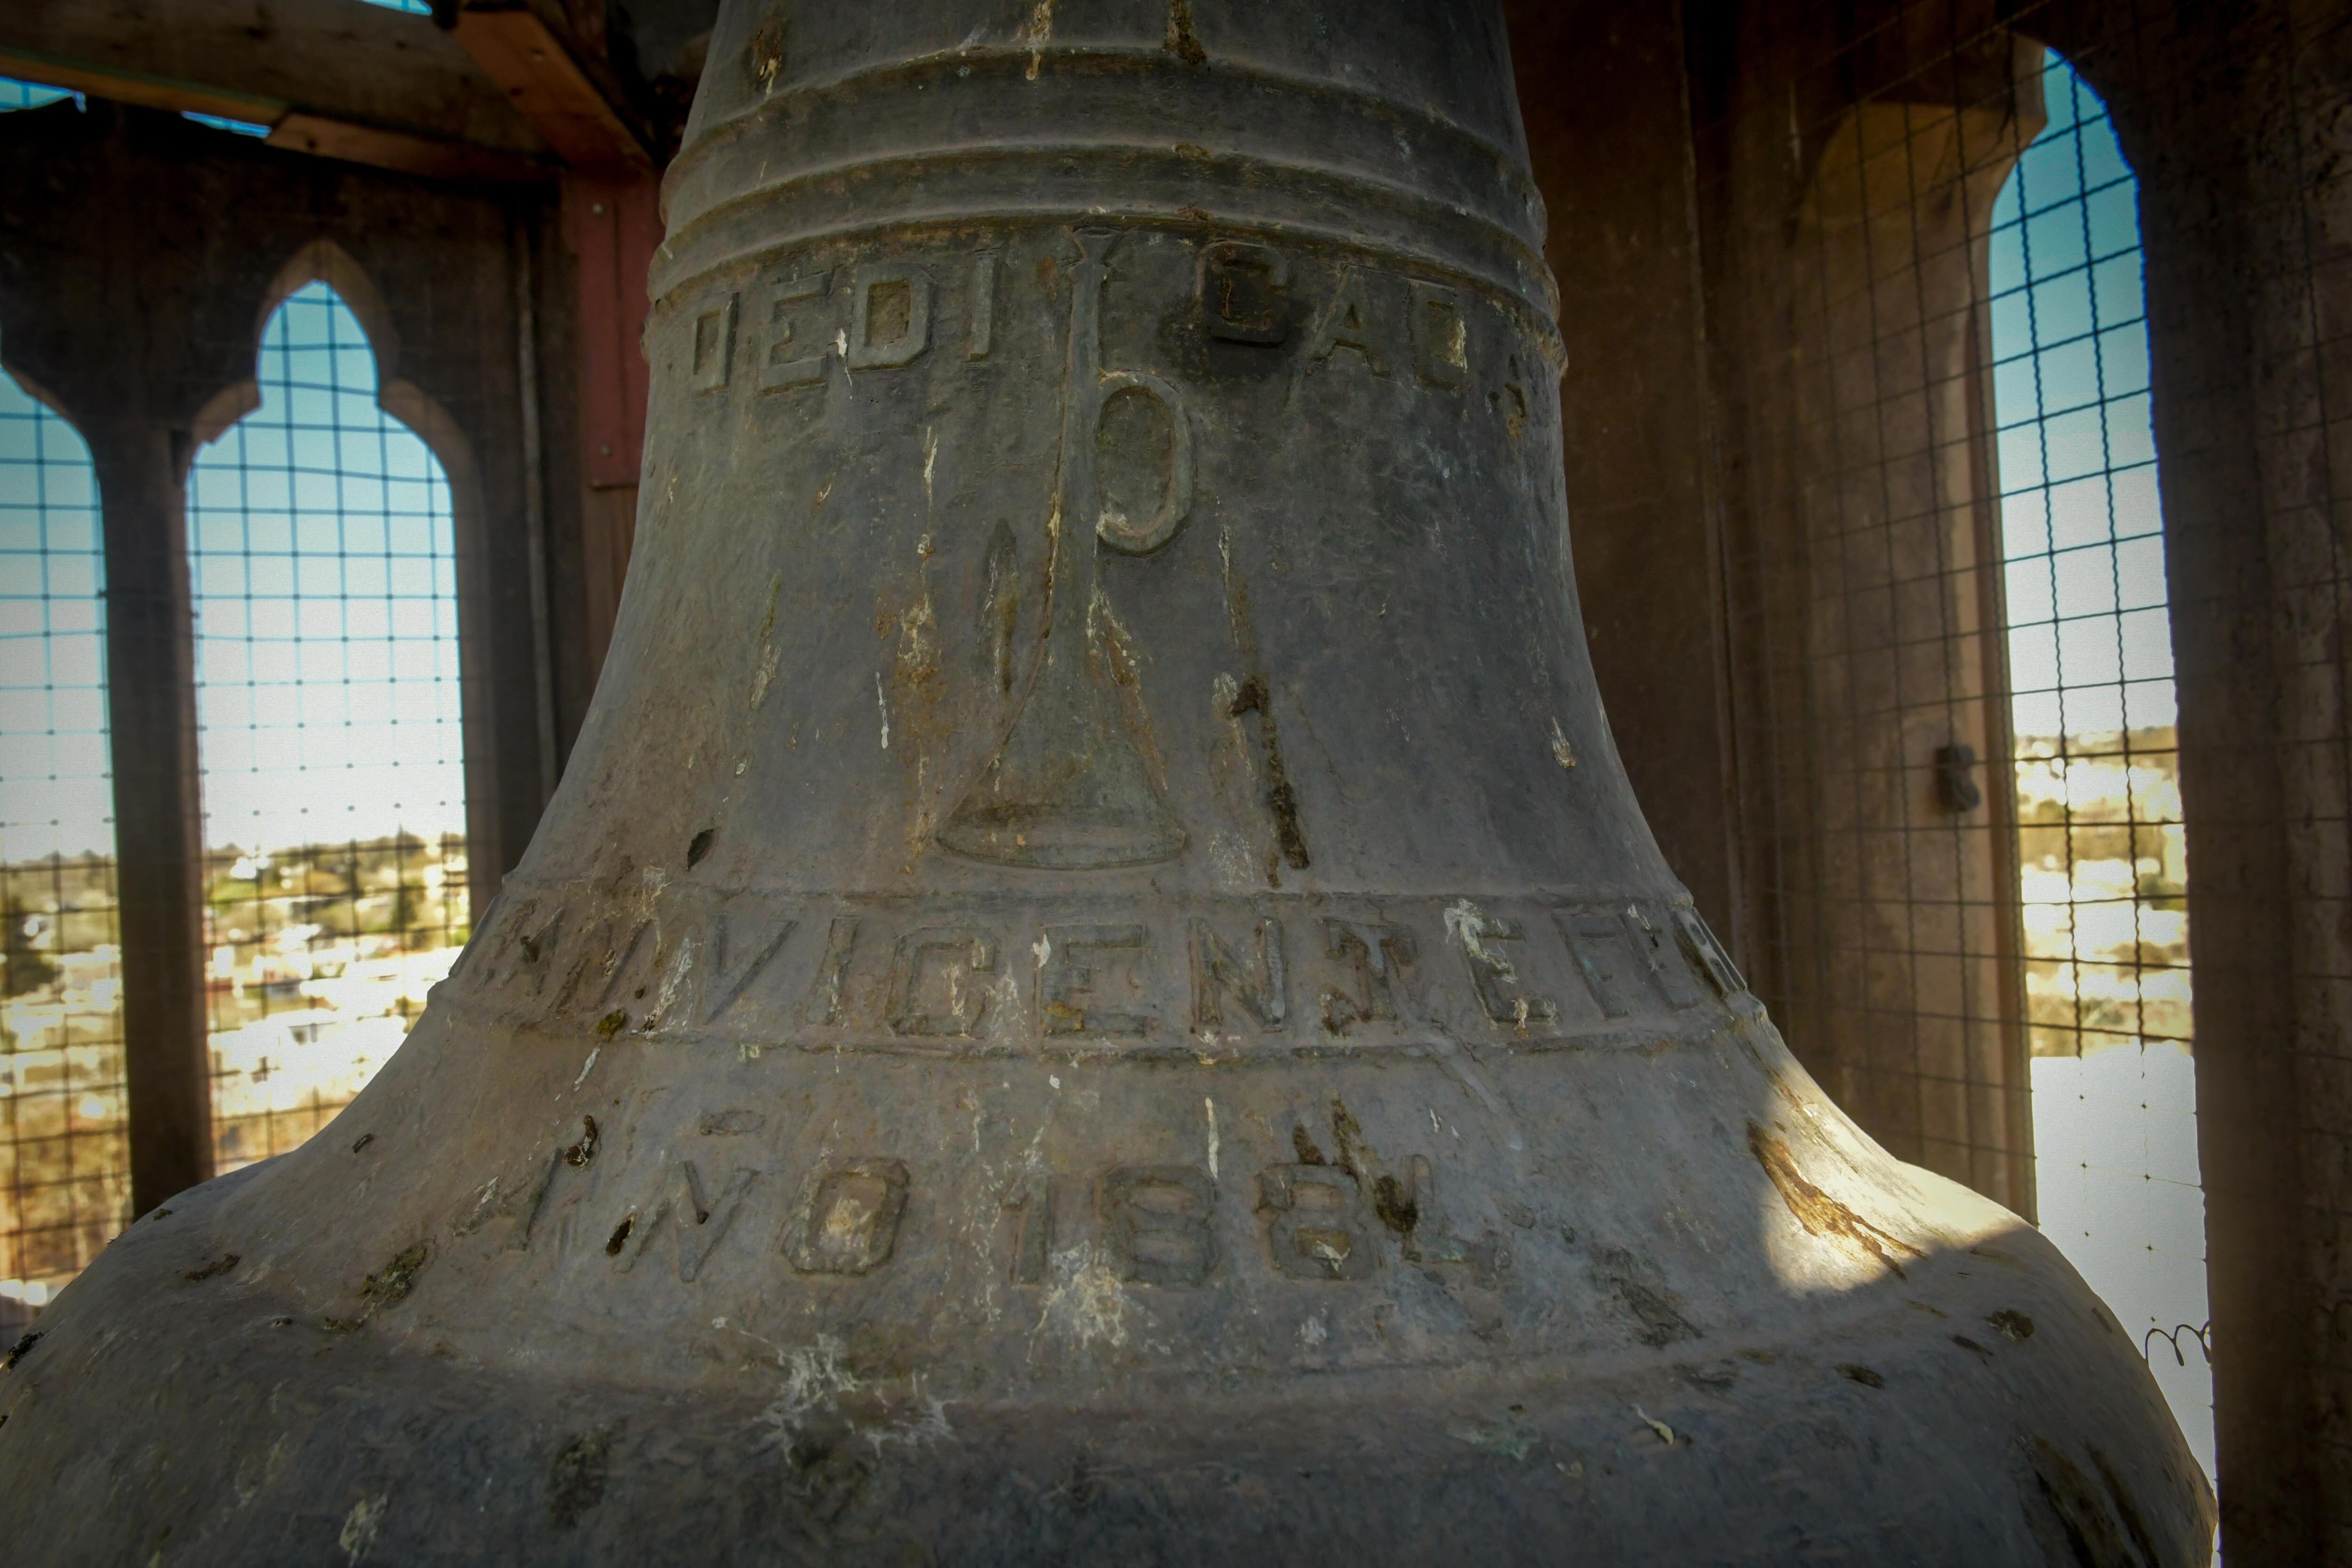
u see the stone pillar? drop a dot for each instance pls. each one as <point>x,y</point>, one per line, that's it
<point>158,816</point>
<point>140,256</point>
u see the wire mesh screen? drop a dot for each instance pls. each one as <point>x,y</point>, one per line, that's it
<point>327,667</point>
<point>1867,609</point>
<point>1948,592</point>
<point>2102,847</point>
<point>65,1179</point>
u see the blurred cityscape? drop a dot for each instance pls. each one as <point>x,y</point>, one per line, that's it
<point>2103,875</point>
<point>321,957</point>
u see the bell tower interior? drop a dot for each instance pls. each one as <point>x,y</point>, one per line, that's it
<point>841,561</point>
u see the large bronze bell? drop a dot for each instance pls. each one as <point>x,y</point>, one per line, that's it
<point>1094,991</point>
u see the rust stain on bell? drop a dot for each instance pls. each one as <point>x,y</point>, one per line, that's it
<point>1144,1023</point>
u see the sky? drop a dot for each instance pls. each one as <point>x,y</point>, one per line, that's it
<point>324,572</point>
<point>54,771</point>
<point>2090,645</point>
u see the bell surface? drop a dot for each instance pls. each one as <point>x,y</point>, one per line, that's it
<point>1094,990</point>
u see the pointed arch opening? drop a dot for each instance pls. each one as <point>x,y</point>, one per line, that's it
<point>65,1161</point>
<point>324,524</point>
<point>2102,847</point>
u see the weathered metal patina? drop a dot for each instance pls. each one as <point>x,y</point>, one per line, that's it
<point>1094,990</point>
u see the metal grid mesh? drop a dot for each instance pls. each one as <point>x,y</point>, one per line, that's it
<point>327,667</point>
<point>1888,925</point>
<point>2102,846</point>
<point>1956,544</point>
<point>65,1179</point>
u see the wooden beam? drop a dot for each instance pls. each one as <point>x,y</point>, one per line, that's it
<point>143,87</point>
<point>410,154</point>
<point>158,820</point>
<point>549,87</point>
<point>372,85</point>
<point>298,129</point>
<point>611,226</point>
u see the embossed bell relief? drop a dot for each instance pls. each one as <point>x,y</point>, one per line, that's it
<point>1069,787</point>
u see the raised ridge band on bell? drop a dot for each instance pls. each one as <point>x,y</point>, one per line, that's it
<point>1452,201</point>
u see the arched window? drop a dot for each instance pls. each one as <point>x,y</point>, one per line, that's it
<point>65,1169</point>
<point>2101,846</point>
<point>325,567</point>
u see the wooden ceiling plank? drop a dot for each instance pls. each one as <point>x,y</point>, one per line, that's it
<point>143,87</point>
<point>399,150</point>
<point>340,61</point>
<point>517,50</point>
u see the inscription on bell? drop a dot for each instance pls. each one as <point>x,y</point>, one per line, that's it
<point>714,345</point>
<point>1605,956</point>
<point>1374,958</point>
<point>822,1004</point>
<point>698,1221</point>
<point>792,356</point>
<point>740,950</point>
<point>1222,975</point>
<point>1658,950</point>
<point>1242,292</point>
<point>1158,1224</point>
<point>1441,349</point>
<point>1316,1222</point>
<point>1257,986</point>
<point>848,1219</point>
<point>1486,945</point>
<point>983,307</point>
<point>882,313</point>
<point>939,983</point>
<point>1347,324</point>
<point>1707,954</point>
<point>1089,976</point>
<point>889,315</point>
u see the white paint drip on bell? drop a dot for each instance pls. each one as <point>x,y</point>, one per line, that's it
<point>1213,1135</point>
<point>586,1068</point>
<point>765,674</point>
<point>929,1425</point>
<point>882,701</point>
<point>671,986</point>
<point>814,1377</point>
<point>1083,1302</point>
<point>1468,925</point>
<point>650,883</point>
